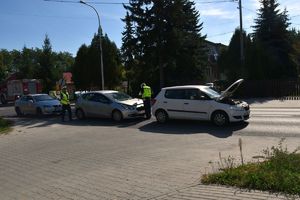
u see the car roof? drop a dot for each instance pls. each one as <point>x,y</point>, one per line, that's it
<point>103,91</point>
<point>34,95</point>
<point>186,87</point>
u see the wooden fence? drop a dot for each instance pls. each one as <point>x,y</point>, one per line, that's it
<point>282,89</point>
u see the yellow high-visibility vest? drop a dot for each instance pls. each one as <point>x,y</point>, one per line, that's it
<point>64,98</point>
<point>146,92</point>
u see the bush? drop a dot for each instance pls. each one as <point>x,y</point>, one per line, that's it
<point>279,173</point>
<point>4,125</point>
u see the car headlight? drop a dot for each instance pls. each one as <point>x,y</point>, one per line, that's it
<point>235,108</point>
<point>127,107</point>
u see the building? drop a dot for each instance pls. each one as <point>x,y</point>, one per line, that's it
<point>212,71</point>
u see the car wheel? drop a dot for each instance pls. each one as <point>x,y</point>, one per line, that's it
<point>39,112</point>
<point>161,116</point>
<point>80,114</point>
<point>117,116</point>
<point>18,111</point>
<point>220,118</point>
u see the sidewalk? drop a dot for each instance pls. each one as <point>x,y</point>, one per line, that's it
<point>214,192</point>
<point>273,103</point>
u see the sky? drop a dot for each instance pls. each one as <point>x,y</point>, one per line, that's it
<point>69,25</point>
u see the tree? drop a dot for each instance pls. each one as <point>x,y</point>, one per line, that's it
<point>271,34</point>
<point>46,66</point>
<point>87,72</point>
<point>6,61</point>
<point>127,49</point>
<point>229,60</point>
<point>80,72</point>
<point>167,42</point>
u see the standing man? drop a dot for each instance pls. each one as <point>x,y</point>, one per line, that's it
<point>146,95</point>
<point>65,102</point>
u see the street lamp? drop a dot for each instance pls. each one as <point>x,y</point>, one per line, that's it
<point>100,43</point>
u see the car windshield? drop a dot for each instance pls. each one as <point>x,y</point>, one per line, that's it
<point>211,93</point>
<point>119,96</point>
<point>43,98</point>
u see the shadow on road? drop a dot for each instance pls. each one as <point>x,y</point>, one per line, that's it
<point>6,105</point>
<point>147,126</point>
<point>193,127</point>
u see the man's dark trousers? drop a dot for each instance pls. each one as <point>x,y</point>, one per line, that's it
<point>64,108</point>
<point>147,105</point>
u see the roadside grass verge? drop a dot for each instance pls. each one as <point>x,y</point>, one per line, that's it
<point>5,126</point>
<point>278,172</point>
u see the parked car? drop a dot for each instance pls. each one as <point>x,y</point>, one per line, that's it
<point>199,102</point>
<point>39,104</point>
<point>108,104</point>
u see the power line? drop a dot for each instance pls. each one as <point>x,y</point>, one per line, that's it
<point>225,33</point>
<point>121,3</point>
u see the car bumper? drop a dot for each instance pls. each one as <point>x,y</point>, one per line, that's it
<point>132,114</point>
<point>236,116</point>
<point>49,111</point>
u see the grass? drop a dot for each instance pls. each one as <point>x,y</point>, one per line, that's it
<point>279,172</point>
<point>5,126</point>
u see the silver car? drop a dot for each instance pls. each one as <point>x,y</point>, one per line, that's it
<point>109,104</point>
<point>39,104</point>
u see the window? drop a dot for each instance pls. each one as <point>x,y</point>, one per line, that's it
<point>175,94</point>
<point>192,94</point>
<point>26,98</point>
<point>100,98</point>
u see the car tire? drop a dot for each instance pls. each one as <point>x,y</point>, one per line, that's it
<point>117,116</point>
<point>18,111</point>
<point>220,118</point>
<point>39,112</point>
<point>161,116</point>
<point>80,114</point>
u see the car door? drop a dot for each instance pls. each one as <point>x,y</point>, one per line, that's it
<point>86,103</point>
<point>23,104</point>
<point>196,104</point>
<point>173,103</point>
<point>31,108</point>
<point>101,106</point>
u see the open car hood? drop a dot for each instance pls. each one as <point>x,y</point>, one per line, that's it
<point>132,102</point>
<point>231,89</point>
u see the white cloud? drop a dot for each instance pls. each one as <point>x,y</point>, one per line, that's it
<point>216,12</point>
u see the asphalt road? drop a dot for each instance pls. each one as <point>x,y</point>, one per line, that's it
<point>275,122</point>
<point>44,158</point>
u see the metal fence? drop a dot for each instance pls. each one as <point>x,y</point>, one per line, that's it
<point>281,89</point>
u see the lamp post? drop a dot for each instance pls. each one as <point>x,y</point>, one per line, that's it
<point>100,43</point>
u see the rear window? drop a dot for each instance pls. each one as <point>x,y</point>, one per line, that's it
<point>175,94</point>
<point>43,98</point>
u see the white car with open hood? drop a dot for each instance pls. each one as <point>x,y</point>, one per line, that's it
<point>199,102</point>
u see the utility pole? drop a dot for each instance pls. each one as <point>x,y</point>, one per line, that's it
<point>100,43</point>
<point>241,35</point>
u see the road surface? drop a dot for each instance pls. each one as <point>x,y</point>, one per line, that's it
<point>136,159</point>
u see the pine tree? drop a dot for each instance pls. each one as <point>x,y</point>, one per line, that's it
<point>271,34</point>
<point>127,49</point>
<point>169,46</point>
<point>46,65</point>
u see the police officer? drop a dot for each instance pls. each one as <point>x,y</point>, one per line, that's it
<point>146,95</point>
<point>65,102</point>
